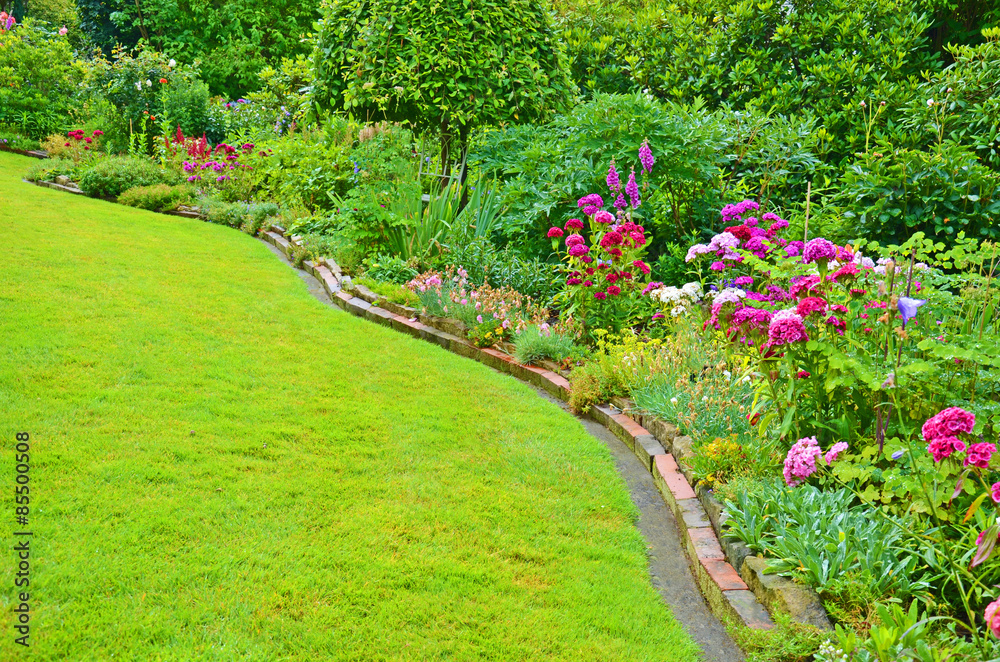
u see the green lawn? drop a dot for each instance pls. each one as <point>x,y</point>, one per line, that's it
<point>223,468</point>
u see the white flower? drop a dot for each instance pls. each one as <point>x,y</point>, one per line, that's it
<point>727,374</point>
<point>172,63</point>
<point>138,85</point>
<point>149,83</point>
<point>704,398</point>
<point>673,401</point>
<point>677,311</point>
<point>930,102</point>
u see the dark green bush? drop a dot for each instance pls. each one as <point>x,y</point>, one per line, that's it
<point>942,191</point>
<point>158,197</point>
<point>185,105</point>
<point>389,269</point>
<point>111,177</point>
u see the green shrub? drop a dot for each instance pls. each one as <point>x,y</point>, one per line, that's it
<point>942,191</point>
<point>392,291</point>
<point>237,214</point>
<point>41,80</point>
<point>484,262</point>
<point>185,105</point>
<point>532,345</point>
<point>389,269</point>
<point>158,197</point>
<point>48,169</point>
<point>113,176</point>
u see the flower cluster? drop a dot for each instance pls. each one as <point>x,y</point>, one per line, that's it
<point>758,236</point>
<point>221,160</point>
<point>7,21</point>
<point>800,463</point>
<point>677,300</point>
<point>941,433</point>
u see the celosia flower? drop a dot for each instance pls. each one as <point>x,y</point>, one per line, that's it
<point>835,450</point>
<point>646,157</point>
<point>800,463</point>
<point>555,233</point>
<point>574,224</point>
<point>819,250</point>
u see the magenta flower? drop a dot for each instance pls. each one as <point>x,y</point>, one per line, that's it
<point>604,217</point>
<point>992,615</point>
<point>574,240</point>
<point>555,233</point>
<point>655,285</point>
<point>947,423</point>
<point>620,202</point>
<point>786,327</point>
<point>613,180</point>
<point>718,266</point>
<point>942,447</point>
<point>592,200</point>
<point>632,190</point>
<point>578,249</point>
<point>600,295</point>
<point>614,290</point>
<point>979,455</point>
<point>573,281</point>
<point>611,238</point>
<point>810,305</point>
<point>646,157</point>
<point>574,224</point>
<point>641,266</point>
<point>819,250</point>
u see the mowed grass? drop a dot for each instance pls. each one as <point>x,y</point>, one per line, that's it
<point>224,468</point>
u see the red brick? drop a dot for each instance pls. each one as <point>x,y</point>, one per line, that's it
<point>535,369</point>
<point>679,486</point>
<point>724,575</point>
<point>706,545</point>
<point>344,295</point>
<point>666,464</point>
<point>558,380</point>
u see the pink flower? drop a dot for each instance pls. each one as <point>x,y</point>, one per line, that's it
<point>614,290</point>
<point>992,615</point>
<point>995,490</point>
<point>573,281</point>
<point>555,233</point>
<point>604,217</point>
<point>835,450</point>
<point>641,266</point>
<point>611,238</point>
<point>574,224</point>
<point>717,266</point>
<point>574,240</point>
<point>819,250</point>
<point>979,455</point>
<point>800,463</point>
<point>63,31</point>
<point>578,249</point>
<point>942,447</point>
<point>479,318</point>
<point>786,327</point>
<point>810,305</point>
<point>600,295</point>
<point>948,422</point>
<point>588,283</point>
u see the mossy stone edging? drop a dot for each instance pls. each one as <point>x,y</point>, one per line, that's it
<point>726,592</point>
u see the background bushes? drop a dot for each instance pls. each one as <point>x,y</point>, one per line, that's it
<point>112,176</point>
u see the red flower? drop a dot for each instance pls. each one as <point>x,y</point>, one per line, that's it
<point>163,81</point>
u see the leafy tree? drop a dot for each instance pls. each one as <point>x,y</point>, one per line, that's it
<point>443,65</point>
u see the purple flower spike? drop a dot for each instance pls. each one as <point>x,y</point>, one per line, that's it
<point>908,307</point>
<point>646,157</point>
<point>632,190</point>
<point>614,181</point>
<point>620,202</point>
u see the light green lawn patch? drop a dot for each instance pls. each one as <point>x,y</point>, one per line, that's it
<point>224,468</point>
